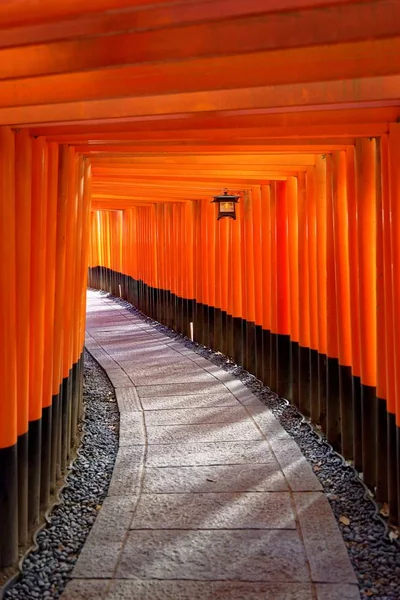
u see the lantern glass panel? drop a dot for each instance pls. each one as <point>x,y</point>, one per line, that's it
<point>227,207</point>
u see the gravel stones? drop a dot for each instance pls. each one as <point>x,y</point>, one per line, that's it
<point>46,570</point>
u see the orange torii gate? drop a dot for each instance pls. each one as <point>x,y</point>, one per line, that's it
<point>119,122</point>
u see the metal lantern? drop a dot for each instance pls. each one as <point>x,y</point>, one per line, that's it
<point>226,204</point>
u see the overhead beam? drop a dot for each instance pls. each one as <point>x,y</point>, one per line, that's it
<point>256,118</point>
<point>131,19</point>
<point>245,161</point>
<point>345,61</point>
<point>336,24</point>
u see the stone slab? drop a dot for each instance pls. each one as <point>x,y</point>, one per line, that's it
<point>268,423</point>
<point>218,373</point>
<point>113,520</point>
<point>325,548</point>
<point>157,418</point>
<point>182,389</point>
<point>210,590</point>
<point>329,591</point>
<point>127,399</point>
<point>212,453</point>
<point>254,555</point>
<point>119,378</point>
<point>226,478</point>
<point>125,480</point>
<point>211,432</point>
<point>85,589</point>
<point>161,361</point>
<point>131,429</point>
<point>296,469</point>
<point>169,367</point>
<point>186,377</point>
<point>242,393</point>
<point>97,561</point>
<point>219,399</point>
<point>257,510</point>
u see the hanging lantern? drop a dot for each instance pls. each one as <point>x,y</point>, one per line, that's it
<point>226,204</point>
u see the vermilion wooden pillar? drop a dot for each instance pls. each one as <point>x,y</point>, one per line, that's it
<point>386,371</point>
<point>341,253</point>
<point>303,297</point>
<point>332,325</point>
<point>394,182</point>
<point>266,281</point>
<point>354,304</point>
<point>321,245</point>
<point>311,201</point>
<point>8,356</point>
<point>23,191</point>
<point>60,290</point>
<point>366,190</point>
<point>47,400</point>
<point>37,314</point>
<point>258,278</point>
<point>294,264</point>
<point>283,384</point>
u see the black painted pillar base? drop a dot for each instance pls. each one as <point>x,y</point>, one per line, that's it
<point>244,362</point>
<point>210,328</point>
<point>295,358</point>
<point>322,390</point>
<point>34,464</point>
<point>74,403</point>
<point>346,410</point>
<point>357,421</point>
<point>218,331</point>
<point>398,470</point>
<point>229,336</point>
<point>55,437</point>
<point>22,489</point>
<point>283,376</point>
<point>266,357</point>
<point>65,410</point>
<point>393,468</point>
<point>333,430</point>
<point>314,386</point>
<point>305,380</point>
<point>250,341</point>
<point>259,351</point>
<point>198,322</point>
<point>369,437</point>
<point>274,362</point>
<point>381,451</point>
<point>190,313</point>
<point>45,467</point>
<point>8,506</point>
<point>237,340</point>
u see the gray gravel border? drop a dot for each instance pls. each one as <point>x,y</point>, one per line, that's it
<point>46,570</point>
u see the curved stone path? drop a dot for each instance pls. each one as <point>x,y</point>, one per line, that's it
<point>210,497</point>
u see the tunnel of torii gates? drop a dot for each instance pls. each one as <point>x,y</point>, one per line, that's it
<point>119,122</point>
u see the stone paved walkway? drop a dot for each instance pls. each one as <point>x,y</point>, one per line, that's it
<point>210,497</point>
